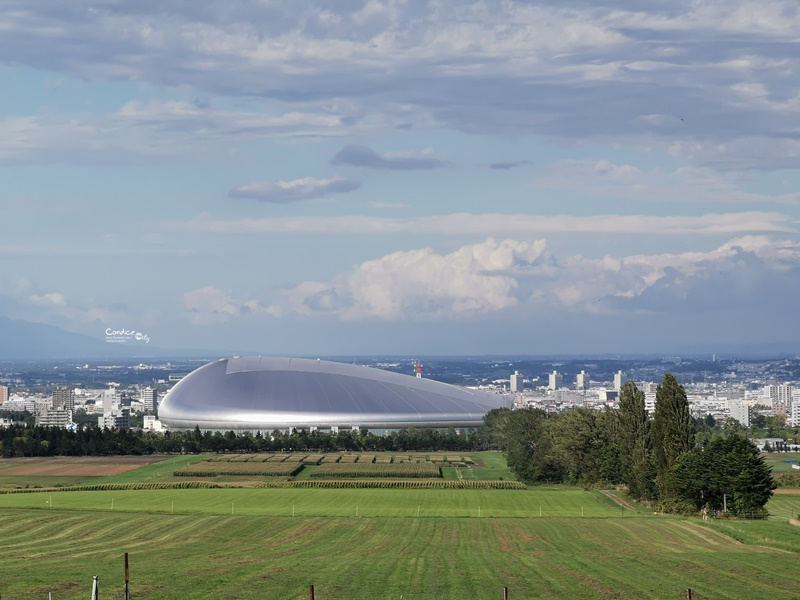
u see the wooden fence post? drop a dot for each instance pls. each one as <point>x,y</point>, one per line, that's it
<point>127,580</point>
<point>311,592</point>
<point>689,594</point>
<point>505,593</point>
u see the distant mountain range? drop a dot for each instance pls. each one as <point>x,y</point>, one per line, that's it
<point>21,340</point>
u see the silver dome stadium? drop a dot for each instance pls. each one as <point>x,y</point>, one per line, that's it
<point>255,393</point>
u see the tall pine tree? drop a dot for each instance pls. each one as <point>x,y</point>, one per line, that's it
<point>635,443</point>
<point>673,429</point>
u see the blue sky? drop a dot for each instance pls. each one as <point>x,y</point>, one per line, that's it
<point>403,177</point>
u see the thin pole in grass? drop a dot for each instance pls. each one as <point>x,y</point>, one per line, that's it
<point>505,593</point>
<point>173,507</point>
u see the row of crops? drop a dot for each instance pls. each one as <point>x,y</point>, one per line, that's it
<point>412,470</point>
<point>439,484</point>
<point>250,469</point>
<point>360,458</point>
<point>325,470</point>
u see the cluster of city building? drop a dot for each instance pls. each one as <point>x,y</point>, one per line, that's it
<point>722,401</point>
<point>113,407</point>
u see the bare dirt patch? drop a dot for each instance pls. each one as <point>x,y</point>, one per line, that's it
<point>617,500</point>
<point>76,466</point>
<point>787,491</point>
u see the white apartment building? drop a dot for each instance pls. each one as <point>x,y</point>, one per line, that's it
<point>740,410</point>
<point>618,380</point>
<point>54,417</point>
<point>517,383</point>
<point>554,381</point>
<point>582,381</point>
<point>149,397</point>
<point>794,417</point>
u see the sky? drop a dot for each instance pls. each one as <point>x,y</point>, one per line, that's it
<point>403,177</point>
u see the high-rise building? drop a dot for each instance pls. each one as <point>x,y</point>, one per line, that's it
<point>794,418</point>
<point>618,380</point>
<point>650,402</point>
<point>582,381</point>
<point>111,399</point>
<point>516,382</point>
<point>554,381</point>
<point>740,411</point>
<point>149,397</point>
<point>3,394</point>
<point>54,417</point>
<point>779,394</point>
<point>63,398</point>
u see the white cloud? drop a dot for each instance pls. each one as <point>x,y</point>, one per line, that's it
<point>684,184</point>
<point>49,299</point>
<point>621,72</point>
<point>213,305</point>
<point>285,192</point>
<point>494,276</point>
<point>490,224</point>
<point>147,132</point>
<point>420,282</point>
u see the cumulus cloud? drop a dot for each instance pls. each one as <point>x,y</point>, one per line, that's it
<point>361,156</point>
<point>469,280</point>
<point>286,192</point>
<point>49,299</point>
<point>494,276</point>
<point>489,224</point>
<point>213,305</point>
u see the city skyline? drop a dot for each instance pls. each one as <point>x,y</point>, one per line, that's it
<point>397,178</point>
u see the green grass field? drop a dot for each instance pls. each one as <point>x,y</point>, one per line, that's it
<point>213,556</point>
<point>777,460</point>
<point>238,543</point>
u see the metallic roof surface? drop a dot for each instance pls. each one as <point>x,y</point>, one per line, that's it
<point>276,393</point>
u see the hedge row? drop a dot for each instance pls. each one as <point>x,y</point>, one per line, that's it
<point>464,484</point>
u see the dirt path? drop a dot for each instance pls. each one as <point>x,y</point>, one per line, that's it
<point>617,500</point>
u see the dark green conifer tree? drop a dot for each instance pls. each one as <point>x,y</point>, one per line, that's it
<point>635,443</point>
<point>672,430</point>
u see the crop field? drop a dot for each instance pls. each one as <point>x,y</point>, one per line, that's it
<point>360,469</point>
<point>541,542</point>
<point>245,468</point>
<point>59,471</point>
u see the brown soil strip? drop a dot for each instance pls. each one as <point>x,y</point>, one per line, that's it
<point>617,500</point>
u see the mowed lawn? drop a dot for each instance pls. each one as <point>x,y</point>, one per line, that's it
<point>249,557</point>
<point>231,543</point>
<point>536,502</point>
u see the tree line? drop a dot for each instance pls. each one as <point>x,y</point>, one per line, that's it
<point>660,460</point>
<point>22,440</point>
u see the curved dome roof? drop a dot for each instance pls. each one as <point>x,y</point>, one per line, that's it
<point>278,393</point>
